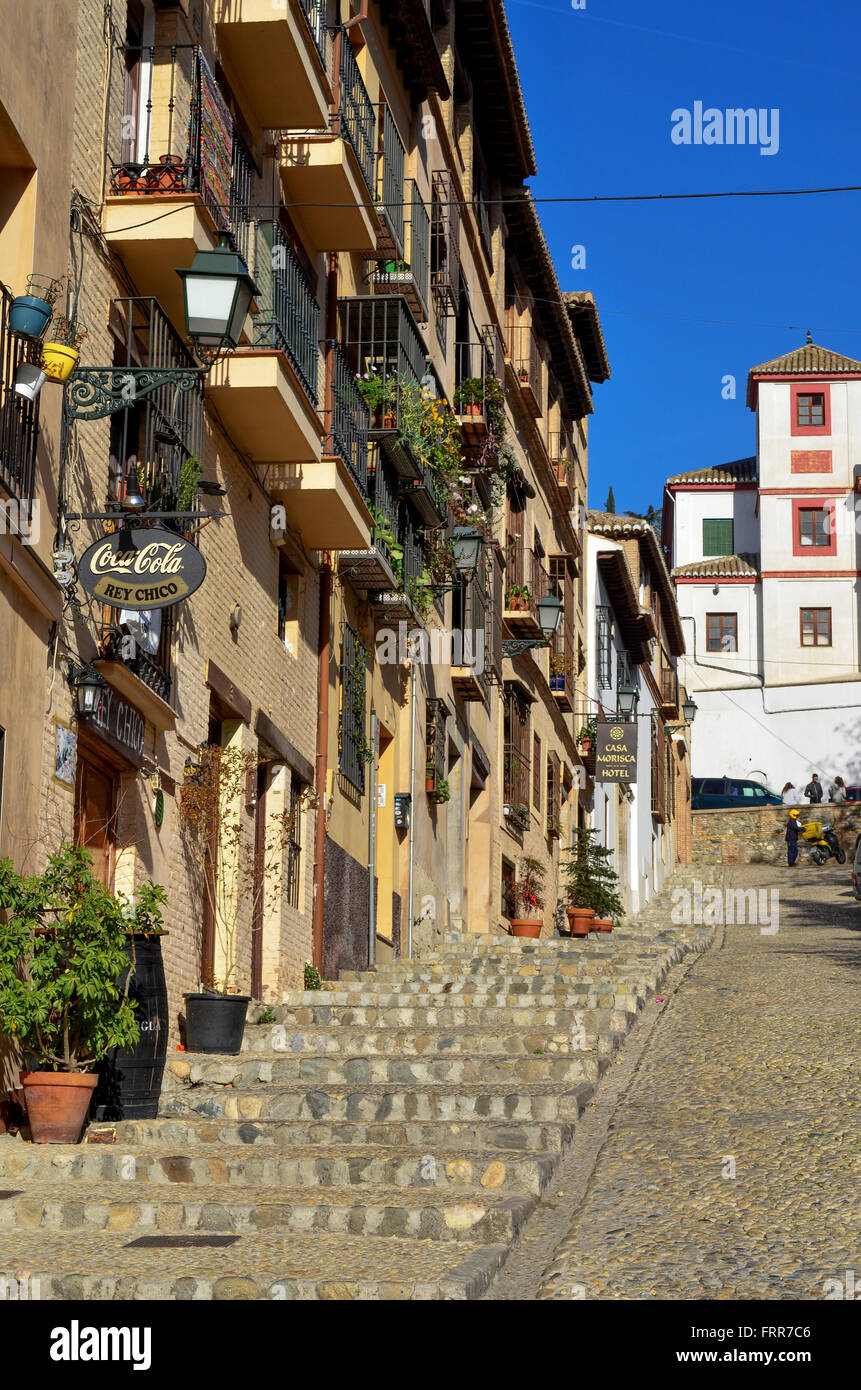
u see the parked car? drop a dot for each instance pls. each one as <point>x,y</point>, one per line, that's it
<point>713,793</point>
<point>853,793</point>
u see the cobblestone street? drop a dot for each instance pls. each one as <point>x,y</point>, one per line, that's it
<point>731,1167</point>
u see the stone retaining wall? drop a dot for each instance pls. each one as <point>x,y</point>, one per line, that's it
<point>757,836</point>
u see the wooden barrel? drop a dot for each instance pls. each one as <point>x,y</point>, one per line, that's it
<point>130,1082</point>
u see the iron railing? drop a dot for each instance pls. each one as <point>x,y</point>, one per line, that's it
<point>435,741</point>
<point>524,355</point>
<point>471,614</point>
<point>417,250</point>
<point>603,648</point>
<point>524,567</point>
<point>387,504</point>
<point>411,540</point>
<point>153,670</point>
<point>349,427</point>
<point>162,433</point>
<point>289,315</point>
<point>19,418</point>
<point>351,727</point>
<point>445,242</point>
<point>315,13</point>
<point>390,179</point>
<point>357,120</point>
<point>177,135</point>
<point>380,338</point>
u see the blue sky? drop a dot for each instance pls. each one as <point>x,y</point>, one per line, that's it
<point>600,86</point>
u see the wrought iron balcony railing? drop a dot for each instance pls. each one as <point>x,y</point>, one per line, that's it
<point>149,668</point>
<point>289,316</point>
<point>383,347</point>
<point>177,135</point>
<point>445,243</point>
<point>349,427</point>
<point>524,354</point>
<point>390,177</point>
<point>315,13</point>
<point>19,418</point>
<point>356,117</point>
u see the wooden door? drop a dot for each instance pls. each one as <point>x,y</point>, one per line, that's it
<point>95,815</point>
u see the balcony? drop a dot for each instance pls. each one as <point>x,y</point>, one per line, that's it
<point>19,418</point>
<point>141,677</point>
<point>380,339</point>
<point>516,787</point>
<point>470,619</point>
<point>179,172</point>
<point>274,54</point>
<point>390,189</point>
<point>521,350</point>
<point>410,278</point>
<point>527,582</point>
<point>267,395</point>
<point>479,397</point>
<point>445,244</point>
<point>380,568</point>
<point>330,178</point>
<point>670,693</point>
<point>564,464</point>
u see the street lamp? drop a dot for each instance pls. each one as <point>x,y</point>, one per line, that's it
<point>549,615</point>
<point>689,709</point>
<point>627,698</point>
<point>466,547</point>
<point>218,291</point>
<point>88,689</point>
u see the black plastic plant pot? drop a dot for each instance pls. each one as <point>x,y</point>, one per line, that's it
<point>215,1022</point>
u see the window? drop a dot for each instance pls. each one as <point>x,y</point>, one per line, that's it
<point>516,780</point>
<point>436,745</point>
<point>810,409</point>
<point>816,627</point>
<point>718,538</point>
<point>508,904</point>
<point>814,526</point>
<point>554,800</point>
<point>352,744</point>
<point>294,848</point>
<point>721,632</point>
<point>536,772</point>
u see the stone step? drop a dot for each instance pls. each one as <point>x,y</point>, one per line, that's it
<point>431,1136</point>
<point>185,1078</point>
<point>300,1166</point>
<point>456,1015</point>
<point>533,1100</point>
<point>409,1213</point>
<point>276,1266</point>
<point>596,994</point>
<point>273,1040</point>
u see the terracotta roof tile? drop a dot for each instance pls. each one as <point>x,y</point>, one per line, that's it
<point>809,360</point>
<point>738,471</point>
<point>720,566</point>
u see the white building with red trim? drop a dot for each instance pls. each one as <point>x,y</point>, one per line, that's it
<point>765,558</point>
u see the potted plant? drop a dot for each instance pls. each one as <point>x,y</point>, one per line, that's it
<point>586,738</point>
<point>128,178</point>
<point>430,777</point>
<point>60,354</point>
<point>166,177</point>
<point>62,949</point>
<point>380,394</point>
<point>591,883</point>
<point>557,671</point>
<point>242,880</point>
<point>518,598</point>
<point>443,792</point>
<point>528,894</point>
<point>31,312</point>
<point>469,396</point>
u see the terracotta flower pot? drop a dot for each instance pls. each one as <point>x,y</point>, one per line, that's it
<point>390,420</point>
<point>167,178</point>
<point>585,745</point>
<point>580,920</point>
<point>526,926</point>
<point>57,1104</point>
<point>603,924</point>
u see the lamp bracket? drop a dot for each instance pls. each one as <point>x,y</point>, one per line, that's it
<point>128,520</point>
<point>515,647</point>
<point>92,393</point>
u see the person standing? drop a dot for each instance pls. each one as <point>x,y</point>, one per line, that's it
<point>813,790</point>
<point>790,795</point>
<point>838,791</point>
<point>792,837</point>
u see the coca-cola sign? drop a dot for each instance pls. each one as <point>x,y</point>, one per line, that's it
<point>137,568</point>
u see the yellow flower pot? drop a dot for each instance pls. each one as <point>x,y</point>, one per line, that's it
<point>58,361</point>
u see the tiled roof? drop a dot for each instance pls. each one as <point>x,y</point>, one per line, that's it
<point>720,566</point>
<point>622,528</point>
<point>615,525</point>
<point>809,360</point>
<point>739,471</point>
<point>583,313</point>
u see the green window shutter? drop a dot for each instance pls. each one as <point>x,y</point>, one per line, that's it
<point>718,536</point>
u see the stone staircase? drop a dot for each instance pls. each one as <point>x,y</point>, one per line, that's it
<point>385,1138</point>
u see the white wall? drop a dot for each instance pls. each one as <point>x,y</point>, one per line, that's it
<point>702,669</point>
<point>692,508</point>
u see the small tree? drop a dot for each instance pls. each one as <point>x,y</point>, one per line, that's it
<point>590,880</point>
<point>63,947</point>
<point>611,501</point>
<point>237,877</point>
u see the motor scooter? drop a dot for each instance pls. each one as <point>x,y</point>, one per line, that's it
<point>823,842</point>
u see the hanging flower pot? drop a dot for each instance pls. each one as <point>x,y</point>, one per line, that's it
<point>29,315</point>
<point>29,380</point>
<point>58,361</point>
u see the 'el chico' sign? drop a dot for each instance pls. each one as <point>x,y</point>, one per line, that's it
<point>141,569</point>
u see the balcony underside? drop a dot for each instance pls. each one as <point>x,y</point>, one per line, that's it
<point>564,700</point>
<point>326,193</point>
<point>124,681</point>
<point>324,503</point>
<point>522,622</point>
<point>270,55</point>
<point>473,429</point>
<point>155,234</point>
<point>402,282</point>
<point>393,608</point>
<point>264,409</point>
<point>467,682</point>
<point>367,570</point>
<point>422,499</point>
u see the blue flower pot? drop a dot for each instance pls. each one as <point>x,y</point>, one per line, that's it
<point>29,316</point>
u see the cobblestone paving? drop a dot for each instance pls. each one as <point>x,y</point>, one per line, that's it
<point>732,1166</point>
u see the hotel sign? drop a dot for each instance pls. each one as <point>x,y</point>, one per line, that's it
<point>616,754</point>
<point>141,568</point>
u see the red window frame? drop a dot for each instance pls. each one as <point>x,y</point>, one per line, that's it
<point>815,504</point>
<point>810,388</point>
